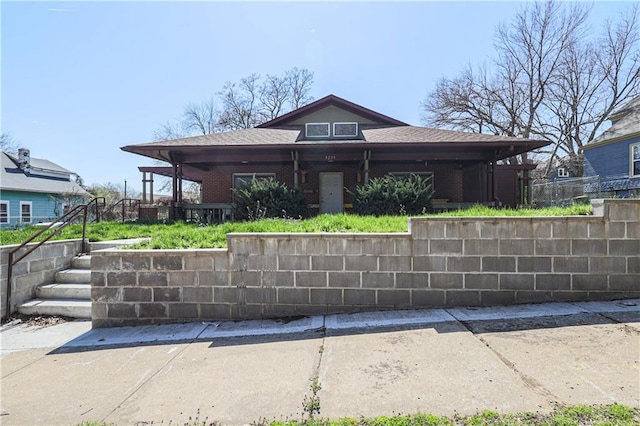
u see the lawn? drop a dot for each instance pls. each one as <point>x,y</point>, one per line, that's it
<point>576,415</point>
<point>191,236</point>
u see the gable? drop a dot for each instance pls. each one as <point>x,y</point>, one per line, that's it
<point>303,114</point>
<point>331,114</point>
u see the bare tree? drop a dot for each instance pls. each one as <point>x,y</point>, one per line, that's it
<point>299,82</point>
<point>168,130</point>
<point>8,144</point>
<point>243,104</point>
<point>202,118</point>
<point>595,78</point>
<point>274,93</point>
<point>112,192</point>
<point>240,104</point>
<point>550,80</point>
<point>253,101</point>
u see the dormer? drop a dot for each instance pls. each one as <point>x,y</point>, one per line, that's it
<point>335,130</point>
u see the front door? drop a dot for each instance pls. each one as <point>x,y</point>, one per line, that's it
<point>331,192</point>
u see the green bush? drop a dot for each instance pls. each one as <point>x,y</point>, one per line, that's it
<point>390,195</point>
<point>267,198</point>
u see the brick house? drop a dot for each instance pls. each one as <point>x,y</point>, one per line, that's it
<point>331,145</point>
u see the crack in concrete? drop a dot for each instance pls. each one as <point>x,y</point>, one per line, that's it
<point>627,328</point>
<point>529,381</point>
<point>144,382</point>
<point>311,403</point>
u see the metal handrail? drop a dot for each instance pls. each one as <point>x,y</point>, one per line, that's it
<point>96,200</point>
<point>65,220</point>
<point>122,203</point>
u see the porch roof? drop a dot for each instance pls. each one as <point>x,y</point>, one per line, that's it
<point>264,143</point>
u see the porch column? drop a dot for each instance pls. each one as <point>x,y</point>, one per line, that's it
<point>180,183</point>
<point>296,168</point>
<point>151,188</point>
<point>174,182</point>
<point>493,182</point>
<point>174,195</point>
<point>144,187</point>
<point>367,157</point>
<point>146,181</point>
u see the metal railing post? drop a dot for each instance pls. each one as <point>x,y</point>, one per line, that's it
<point>9,276</point>
<point>67,219</point>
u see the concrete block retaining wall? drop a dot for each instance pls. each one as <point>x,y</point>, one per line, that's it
<point>439,262</point>
<point>36,269</point>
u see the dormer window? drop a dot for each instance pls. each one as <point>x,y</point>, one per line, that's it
<point>345,129</point>
<point>317,130</point>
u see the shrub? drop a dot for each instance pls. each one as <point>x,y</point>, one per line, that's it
<point>390,195</point>
<point>267,198</point>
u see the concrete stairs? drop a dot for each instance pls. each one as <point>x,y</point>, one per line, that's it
<point>69,295</point>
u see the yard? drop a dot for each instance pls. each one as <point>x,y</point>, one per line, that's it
<point>180,235</point>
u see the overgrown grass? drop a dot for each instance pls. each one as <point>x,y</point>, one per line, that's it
<point>181,235</point>
<point>576,415</point>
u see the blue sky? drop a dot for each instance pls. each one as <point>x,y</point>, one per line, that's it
<point>82,79</point>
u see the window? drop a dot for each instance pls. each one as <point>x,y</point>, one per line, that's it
<point>407,175</point>
<point>634,156</point>
<point>241,179</point>
<point>345,129</point>
<point>4,212</point>
<point>25,211</point>
<point>317,130</point>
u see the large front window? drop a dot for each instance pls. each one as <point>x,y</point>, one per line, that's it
<point>634,155</point>
<point>25,211</point>
<point>242,179</point>
<point>407,175</point>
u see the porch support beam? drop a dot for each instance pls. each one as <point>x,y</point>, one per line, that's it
<point>296,168</point>
<point>144,187</point>
<point>180,183</point>
<point>147,197</point>
<point>174,188</point>
<point>151,188</point>
<point>367,157</point>
<point>174,182</point>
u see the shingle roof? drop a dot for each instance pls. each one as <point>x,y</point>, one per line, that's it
<point>40,163</point>
<point>414,134</point>
<point>387,131</point>
<point>628,124</point>
<point>253,136</point>
<point>390,135</point>
<point>14,179</point>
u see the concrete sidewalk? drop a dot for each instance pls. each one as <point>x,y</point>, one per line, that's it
<point>442,361</point>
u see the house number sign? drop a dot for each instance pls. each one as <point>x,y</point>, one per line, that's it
<point>330,157</point>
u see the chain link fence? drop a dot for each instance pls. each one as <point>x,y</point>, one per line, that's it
<point>564,192</point>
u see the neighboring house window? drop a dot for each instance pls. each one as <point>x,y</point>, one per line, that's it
<point>634,155</point>
<point>345,129</point>
<point>241,179</point>
<point>4,212</point>
<point>25,211</point>
<point>317,130</point>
